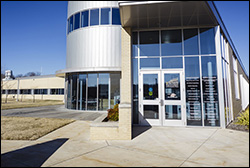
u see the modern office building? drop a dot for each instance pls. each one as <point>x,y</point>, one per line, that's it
<point>165,63</point>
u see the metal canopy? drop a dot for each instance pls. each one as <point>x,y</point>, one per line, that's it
<point>160,14</point>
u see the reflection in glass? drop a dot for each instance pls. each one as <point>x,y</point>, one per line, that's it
<point>150,86</point>
<point>74,91</point>
<point>210,91</point>
<point>149,63</point>
<point>68,83</point>
<point>191,42</point>
<point>172,86</point>
<point>207,40</point>
<point>70,24</point>
<point>105,16</point>
<point>135,44</point>
<point>94,17</point>
<point>173,112</point>
<point>116,20</point>
<point>85,18</point>
<point>193,92</point>
<point>149,43</point>
<point>76,21</point>
<point>171,42</point>
<point>92,92</point>
<point>103,90</point>
<point>82,92</point>
<point>115,89</point>
<point>151,111</point>
<point>135,91</point>
<point>172,62</point>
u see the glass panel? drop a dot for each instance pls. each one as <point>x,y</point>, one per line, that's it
<point>103,89</point>
<point>172,62</point>
<point>173,112</point>
<point>92,92</point>
<point>171,42</point>
<point>193,92</point>
<point>69,91</point>
<point>94,17</point>
<point>105,16</point>
<point>115,89</point>
<point>71,24</point>
<point>77,21</point>
<point>151,111</point>
<point>207,41</point>
<point>210,91</point>
<point>82,92</point>
<point>74,91</point>
<point>135,44</point>
<point>149,43</point>
<point>116,20</point>
<point>135,91</point>
<point>149,63</point>
<point>191,42</point>
<point>172,86</point>
<point>150,86</point>
<point>85,18</point>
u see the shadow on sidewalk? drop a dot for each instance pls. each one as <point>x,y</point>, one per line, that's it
<point>31,156</point>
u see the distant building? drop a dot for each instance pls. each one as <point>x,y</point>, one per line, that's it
<point>8,75</point>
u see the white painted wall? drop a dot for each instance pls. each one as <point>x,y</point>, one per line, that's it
<point>244,85</point>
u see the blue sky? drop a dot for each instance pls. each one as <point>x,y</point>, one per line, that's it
<point>33,34</point>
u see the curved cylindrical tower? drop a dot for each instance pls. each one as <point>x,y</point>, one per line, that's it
<point>94,44</point>
<point>93,63</point>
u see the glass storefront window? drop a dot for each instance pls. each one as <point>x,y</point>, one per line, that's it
<point>115,89</point>
<point>135,44</point>
<point>149,63</point>
<point>193,91</point>
<point>74,91</point>
<point>135,91</point>
<point>171,42</point>
<point>105,16</point>
<point>92,92</point>
<point>76,21</point>
<point>103,92</point>
<point>85,19</point>
<point>207,40</point>
<point>94,17</point>
<point>210,91</point>
<point>149,43</point>
<point>82,92</point>
<point>172,62</point>
<point>191,42</point>
<point>98,91</point>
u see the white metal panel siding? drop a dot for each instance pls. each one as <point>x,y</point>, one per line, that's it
<point>244,85</point>
<point>95,46</point>
<point>76,6</point>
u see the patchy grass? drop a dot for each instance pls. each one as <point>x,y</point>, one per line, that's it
<point>29,128</point>
<point>12,103</point>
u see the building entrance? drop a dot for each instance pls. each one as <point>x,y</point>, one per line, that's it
<point>161,98</point>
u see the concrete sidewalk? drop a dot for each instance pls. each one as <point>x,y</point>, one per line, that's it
<point>70,146</point>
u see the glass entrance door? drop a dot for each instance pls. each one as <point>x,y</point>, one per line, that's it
<point>149,93</point>
<point>173,98</point>
<point>161,98</point>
